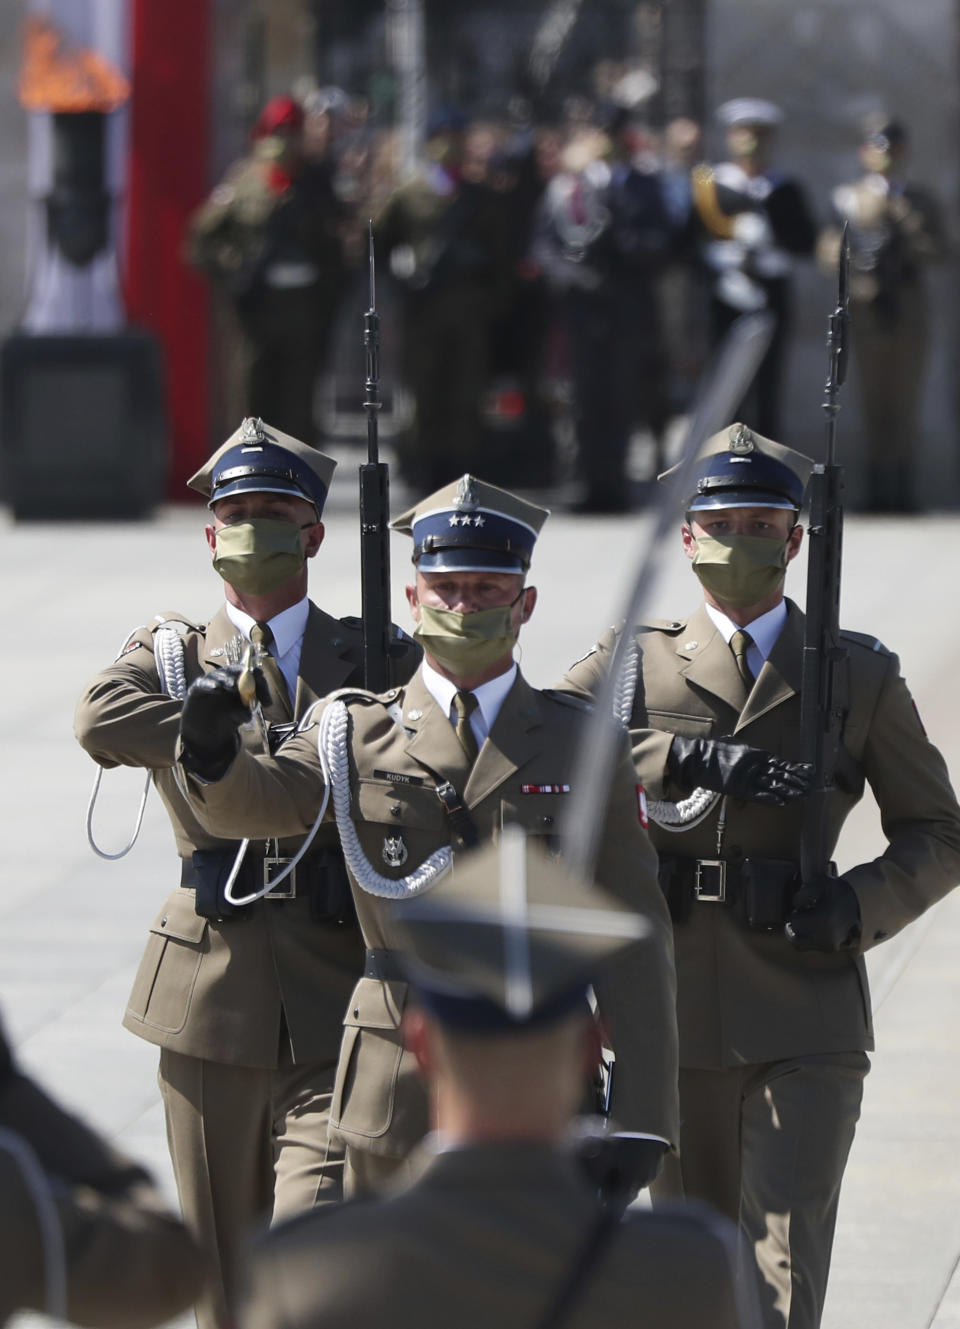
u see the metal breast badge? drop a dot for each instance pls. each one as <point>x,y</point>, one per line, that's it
<point>395,852</point>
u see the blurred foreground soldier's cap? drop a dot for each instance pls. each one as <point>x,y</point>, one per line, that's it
<point>258,459</point>
<point>738,468</point>
<point>510,939</point>
<point>470,526</point>
<point>881,130</point>
<point>279,113</point>
<point>749,111</point>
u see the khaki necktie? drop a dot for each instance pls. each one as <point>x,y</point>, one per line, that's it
<point>261,635</point>
<point>465,703</point>
<point>740,643</point>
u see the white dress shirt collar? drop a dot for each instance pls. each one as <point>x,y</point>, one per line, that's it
<point>763,631</point>
<point>287,627</point>
<point>490,696</point>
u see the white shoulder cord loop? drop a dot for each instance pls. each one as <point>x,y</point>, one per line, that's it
<point>333,750</point>
<point>168,650</point>
<point>333,747</point>
<point>690,811</point>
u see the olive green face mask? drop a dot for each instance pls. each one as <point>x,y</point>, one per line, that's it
<point>466,643</point>
<point>740,570</point>
<point>258,555</point>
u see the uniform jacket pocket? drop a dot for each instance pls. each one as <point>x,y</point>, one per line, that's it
<point>164,985</point>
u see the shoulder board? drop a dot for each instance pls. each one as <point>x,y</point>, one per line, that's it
<point>567,699</point>
<point>364,697</point>
<point>179,622</point>
<point>864,639</point>
<point>662,625</point>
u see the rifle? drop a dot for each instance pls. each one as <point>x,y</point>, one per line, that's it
<point>824,681</point>
<point>374,512</point>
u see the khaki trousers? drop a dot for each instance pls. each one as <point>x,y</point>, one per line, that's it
<point>249,1147</point>
<point>767,1146</point>
<point>367,1175</point>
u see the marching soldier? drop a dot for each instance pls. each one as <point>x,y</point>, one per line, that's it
<point>84,1233</point>
<point>419,774</point>
<point>504,1225</point>
<point>773,1003</point>
<point>756,223</point>
<point>245,1001</point>
<point>896,230</point>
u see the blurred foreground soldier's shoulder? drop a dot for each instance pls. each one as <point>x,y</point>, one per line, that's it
<point>84,1235</point>
<point>504,1223</point>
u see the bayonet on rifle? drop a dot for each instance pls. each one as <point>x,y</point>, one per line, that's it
<point>374,510</point>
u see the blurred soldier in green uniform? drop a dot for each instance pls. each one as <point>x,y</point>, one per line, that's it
<point>446,239</point>
<point>269,237</point>
<point>416,776</point>
<point>504,1224</point>
<point>773,1002</point>
<point>896,231</point>
<point>245,1001</point>
<point>84,1234</point>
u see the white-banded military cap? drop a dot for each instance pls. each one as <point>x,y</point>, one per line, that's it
<point>738,468</point>
<point>510,938</point>
<point>472,526</point>
<point>749,111</point>
<point>260,459</point>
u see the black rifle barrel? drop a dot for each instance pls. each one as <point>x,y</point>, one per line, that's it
<point>823,688</point>
<point>374,511</point>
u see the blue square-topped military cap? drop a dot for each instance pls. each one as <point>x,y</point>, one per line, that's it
<point>511,938</point>
<point>472,526</point>
<point>259,459</point>
<point>738,468</point>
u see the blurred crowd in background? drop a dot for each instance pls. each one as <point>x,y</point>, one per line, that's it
<point>551,292</point>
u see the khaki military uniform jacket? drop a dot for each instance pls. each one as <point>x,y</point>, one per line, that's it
<point>128,1261</point>
<point>749,997</point>
<point>402,745</point>
<point>219,990</point>
<point>487,1236</point>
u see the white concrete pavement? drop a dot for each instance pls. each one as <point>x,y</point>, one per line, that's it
<point>72,926</point>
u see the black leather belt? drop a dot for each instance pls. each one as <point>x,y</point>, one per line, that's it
<point>759,890</point>
<point>384,965</point>
<point>263,870</point>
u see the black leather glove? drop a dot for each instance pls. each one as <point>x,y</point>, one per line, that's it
<point>825,916</point>
<point>734,768</point>
<point>620,1166</point>
<point>212,713</point>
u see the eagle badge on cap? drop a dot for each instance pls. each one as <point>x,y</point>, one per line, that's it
<point>741,440</point>
<point>466,494</point>
<point>252,431</point>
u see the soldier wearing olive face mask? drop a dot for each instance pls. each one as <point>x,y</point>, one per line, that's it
<point>245,1002</point>
<point>419,775</point>
<point>773,1004</point>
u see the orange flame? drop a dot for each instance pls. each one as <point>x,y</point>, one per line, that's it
<point>55,79</point>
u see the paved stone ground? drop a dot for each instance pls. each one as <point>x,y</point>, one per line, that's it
<point>72,926</point>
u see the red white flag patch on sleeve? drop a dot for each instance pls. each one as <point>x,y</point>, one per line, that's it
<point>642,806</point>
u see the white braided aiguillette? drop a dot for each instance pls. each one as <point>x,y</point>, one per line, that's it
<point>334,751</point>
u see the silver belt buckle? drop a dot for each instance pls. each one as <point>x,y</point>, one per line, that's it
<point>287,890</point>
<point>710,880</point>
